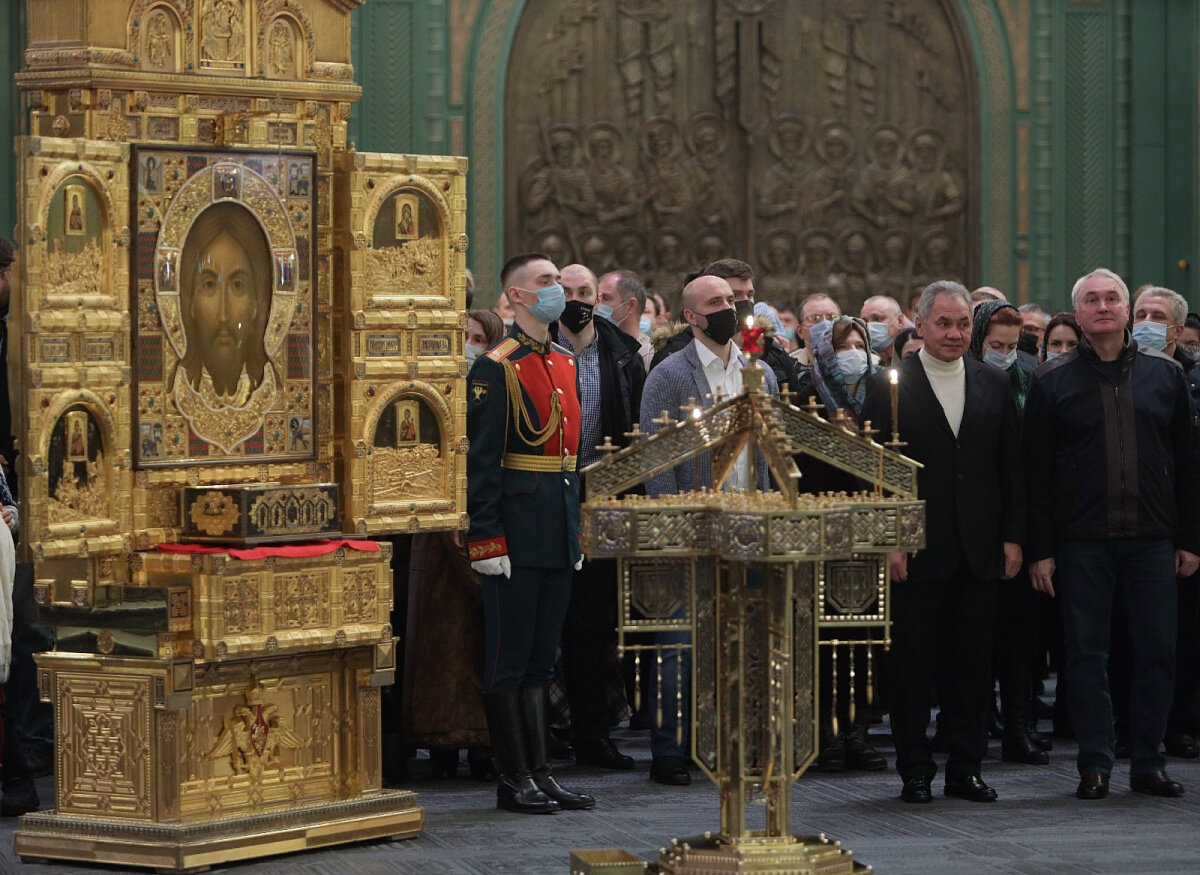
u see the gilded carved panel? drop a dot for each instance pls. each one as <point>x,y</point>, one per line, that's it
<point>828,143</point>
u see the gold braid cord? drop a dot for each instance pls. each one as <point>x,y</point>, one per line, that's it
<point>529,433</point>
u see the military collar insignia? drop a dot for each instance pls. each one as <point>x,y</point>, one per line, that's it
<point>536,345</point>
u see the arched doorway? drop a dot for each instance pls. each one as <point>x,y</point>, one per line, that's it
<point>831,144</point>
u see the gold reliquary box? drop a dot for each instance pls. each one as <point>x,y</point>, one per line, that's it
<point>259,513</point>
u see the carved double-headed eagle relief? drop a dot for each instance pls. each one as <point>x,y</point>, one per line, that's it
<point>254,734</point>
<point>827,143</point>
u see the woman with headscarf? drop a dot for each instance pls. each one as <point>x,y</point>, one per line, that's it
<point>841,364</point>
<point>995,332</point>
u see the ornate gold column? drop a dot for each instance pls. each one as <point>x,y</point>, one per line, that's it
<point>239,342</point>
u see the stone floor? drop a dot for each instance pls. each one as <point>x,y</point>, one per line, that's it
<point>1037,826</point>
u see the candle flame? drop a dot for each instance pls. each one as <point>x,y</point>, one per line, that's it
<point>895,375</point>
<point>695,413</point>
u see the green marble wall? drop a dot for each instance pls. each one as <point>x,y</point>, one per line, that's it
<point>1088,126</point>
<point>11,29</point>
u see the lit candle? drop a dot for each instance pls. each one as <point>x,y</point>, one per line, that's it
<point>894,375</point>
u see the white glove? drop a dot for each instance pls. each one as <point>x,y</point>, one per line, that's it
<point>579,564</point>
<point>495,566</point>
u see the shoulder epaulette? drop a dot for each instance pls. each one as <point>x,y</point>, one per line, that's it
<point>503,349</point>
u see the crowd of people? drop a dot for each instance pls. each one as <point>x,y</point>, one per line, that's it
<point>1060,473</point>
<point>1060,454</point>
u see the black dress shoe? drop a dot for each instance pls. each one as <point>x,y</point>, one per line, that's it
<point>671,771</point>
<point>522,796</point>
<point>602,753</point>
<point>970,788</point>
<point>917,790</point>
<point>21,797</point>
<point>1180,744</point>
<point>832,755</point>
<point>1092,785</point>
<point>860,755</point>
<point>1155,783</point>
<point>1018,747</point>
<point>568,800</point>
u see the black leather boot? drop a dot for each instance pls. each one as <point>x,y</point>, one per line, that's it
<point>860,755</point>
<point>831,755</point>
<point>515,790</point>
<point>533,709</point>
<point>1017,746</point>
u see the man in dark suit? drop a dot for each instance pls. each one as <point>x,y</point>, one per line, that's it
<point>959,421</point>
<point>611,376</point>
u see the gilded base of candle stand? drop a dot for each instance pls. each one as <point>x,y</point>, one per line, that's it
<point>786,855</point>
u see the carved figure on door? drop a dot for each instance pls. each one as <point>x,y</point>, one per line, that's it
<point>828,191</point>
<point>560,192</point>
<point>645,50</point>
<point>936,193</point>
<point>779,253</point>
<point>714,205</point>
<point>613,187</point>
<point>878,192</point>
<point>780,192</point>
<point>668,183</point>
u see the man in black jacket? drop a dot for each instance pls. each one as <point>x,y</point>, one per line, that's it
<point>959,420</point>
<point>611,375</point>
<point>1111,448</point>
<point>1158,318</point>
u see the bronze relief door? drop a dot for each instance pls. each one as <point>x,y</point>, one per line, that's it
<point>831,144</point>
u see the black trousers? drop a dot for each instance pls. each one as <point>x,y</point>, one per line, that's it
<point>941,637</point>
<point>1016,645</point>
<point>522,625</point>
<point>588,640</point>
<point>1185,709</point>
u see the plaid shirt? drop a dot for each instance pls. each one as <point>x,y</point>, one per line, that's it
<point>587,365</point>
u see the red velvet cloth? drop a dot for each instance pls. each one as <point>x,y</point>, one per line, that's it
<point>284,551</point>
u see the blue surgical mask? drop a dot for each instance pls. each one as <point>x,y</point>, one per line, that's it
<point>1052,355</point>
<point>644,325</point>
<point>472,352</point>
<point>606,312</point>
<point>788,333</point>
<point>1150,334</point>
<point>880,338</point>
<point>853,364</point>
<point>551,301</point>
<point>999,360</point>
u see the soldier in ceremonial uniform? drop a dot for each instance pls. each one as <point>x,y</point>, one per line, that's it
<point>523,421</point>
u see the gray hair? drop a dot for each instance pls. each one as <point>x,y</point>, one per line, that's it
<point>1179,304</point>
<point>629,285</point>
<point>1100,271</point>
<point>1031,307</point>
<point>894,305</point>
<point>942,287</point>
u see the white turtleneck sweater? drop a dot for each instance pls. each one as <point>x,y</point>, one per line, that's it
<point>949,382</point>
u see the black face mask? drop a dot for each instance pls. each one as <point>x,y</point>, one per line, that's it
<point>722,325</point>
<point>1027,342</point>
<point>575,316</point>
<point>743,308</point>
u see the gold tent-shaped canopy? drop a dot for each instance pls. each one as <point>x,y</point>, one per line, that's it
<point>746,584</point>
